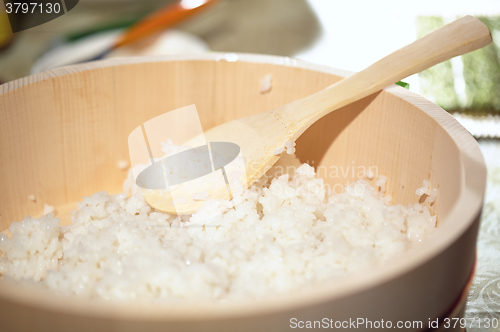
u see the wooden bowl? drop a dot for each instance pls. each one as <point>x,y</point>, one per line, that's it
<point>63,132</point>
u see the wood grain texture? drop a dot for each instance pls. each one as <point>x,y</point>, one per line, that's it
<point>61,133</point>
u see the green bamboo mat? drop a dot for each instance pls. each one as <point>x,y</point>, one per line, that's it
<point>479,71</point>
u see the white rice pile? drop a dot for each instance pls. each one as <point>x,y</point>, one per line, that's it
<point>426,190</point>
<point>277,238</point>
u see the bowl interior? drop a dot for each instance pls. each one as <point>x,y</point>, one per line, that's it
<point>63,132</point>
<point>62,137</point>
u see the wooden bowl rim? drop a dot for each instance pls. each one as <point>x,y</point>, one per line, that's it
<point>465,210</point>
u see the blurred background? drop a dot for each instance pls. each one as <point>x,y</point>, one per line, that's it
<point>344,34</point>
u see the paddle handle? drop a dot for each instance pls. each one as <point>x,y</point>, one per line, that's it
<point>459,37</point>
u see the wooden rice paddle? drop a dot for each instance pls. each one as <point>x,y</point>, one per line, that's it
<point>286,123</point>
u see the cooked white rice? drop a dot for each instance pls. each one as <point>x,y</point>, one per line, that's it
<point>290,147</point>
<point>424,190</point>
<point>266,84</point>
<point>277,238</point>
<point>48,209</point>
